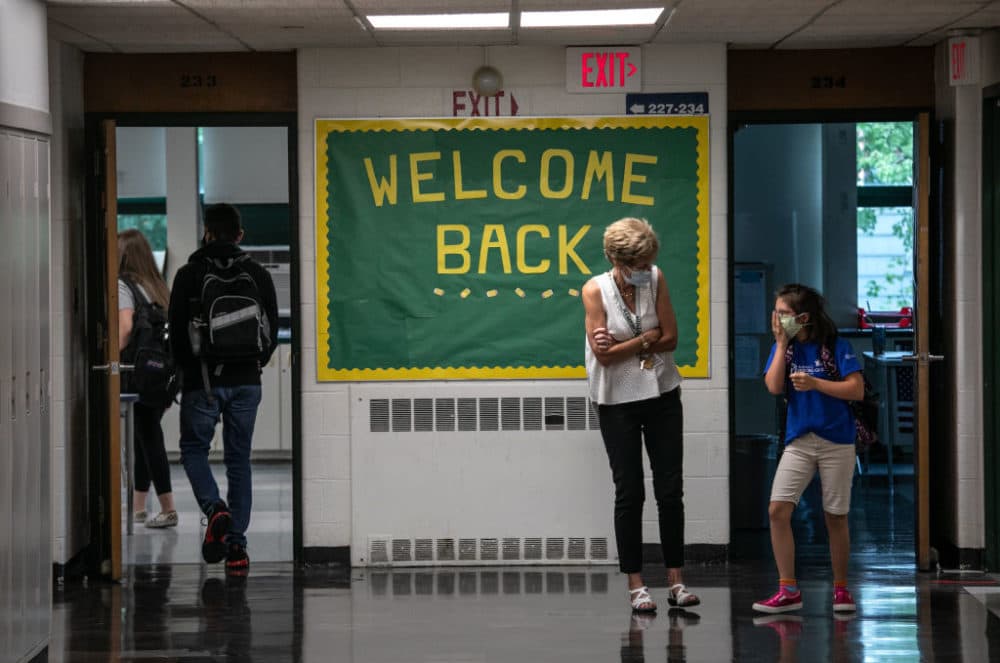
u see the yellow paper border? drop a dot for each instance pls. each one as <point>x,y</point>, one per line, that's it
<point>323,127</point>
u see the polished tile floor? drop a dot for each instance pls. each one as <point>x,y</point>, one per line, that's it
<point>269,537</point>
<point>283,612</point>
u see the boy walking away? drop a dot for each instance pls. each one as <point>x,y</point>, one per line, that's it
<point>224,314</point>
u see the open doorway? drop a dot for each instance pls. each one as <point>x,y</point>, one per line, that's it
<point>167,168</point>
<point>830,205</point>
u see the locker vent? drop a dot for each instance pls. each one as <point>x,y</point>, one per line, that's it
<point>426,415</point>
<point>386,550</point>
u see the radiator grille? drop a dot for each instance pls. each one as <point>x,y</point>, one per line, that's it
<point>425,415</point>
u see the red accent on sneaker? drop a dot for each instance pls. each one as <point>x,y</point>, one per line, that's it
<point>237,561</point>
<point>213,548</point>
<point>782,601</point>
<point>843,601</point>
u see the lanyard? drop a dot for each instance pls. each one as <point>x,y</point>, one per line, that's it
<point>634,322</point>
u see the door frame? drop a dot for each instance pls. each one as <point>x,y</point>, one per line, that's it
<point>923,150</point>
<point>991,319</point>
<point>94,298</point>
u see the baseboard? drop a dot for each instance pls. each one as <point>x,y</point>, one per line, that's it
<point>951,556</point>
<point>327,555</point>
<point>695,553</point>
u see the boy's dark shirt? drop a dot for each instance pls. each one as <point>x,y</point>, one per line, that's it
<point>185,297</point>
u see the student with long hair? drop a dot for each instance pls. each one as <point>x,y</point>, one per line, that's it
<point>137,268</point>
<point>818,373</point>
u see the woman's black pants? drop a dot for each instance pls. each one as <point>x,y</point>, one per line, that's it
<point>151,465</point>
<point>659,422</point>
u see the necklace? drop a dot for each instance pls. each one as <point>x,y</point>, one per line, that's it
<point>626,291</point>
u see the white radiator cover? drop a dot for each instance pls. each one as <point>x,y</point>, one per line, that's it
<point>516,475</point>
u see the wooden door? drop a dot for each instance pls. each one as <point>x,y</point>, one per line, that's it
<point>104,392</point>
<point>922,351</point>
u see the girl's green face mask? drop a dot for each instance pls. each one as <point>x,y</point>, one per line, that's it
<point>791,325</point>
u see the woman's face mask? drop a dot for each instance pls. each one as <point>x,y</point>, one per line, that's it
<point>791,325</point>
<point>639,277</point>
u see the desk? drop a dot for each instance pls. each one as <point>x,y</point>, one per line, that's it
<point>893,380</point>
<point>127,412</point>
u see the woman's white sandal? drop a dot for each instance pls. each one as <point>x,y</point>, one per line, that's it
<point>679,596</point>
<point>640,597</point>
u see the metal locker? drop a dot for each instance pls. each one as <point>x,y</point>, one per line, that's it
<point>6,372</point>
<point>33,452</point>
<point>21,430</point>
<point>44,550</point>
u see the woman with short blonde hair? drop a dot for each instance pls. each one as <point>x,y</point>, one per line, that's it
<point>631,335</point>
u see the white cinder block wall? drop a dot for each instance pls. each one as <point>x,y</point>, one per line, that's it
<point>70,529</point>
<point>961,106</point>
<point>418,82</point>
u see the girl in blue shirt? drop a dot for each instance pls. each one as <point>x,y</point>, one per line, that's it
<point>819,374</point>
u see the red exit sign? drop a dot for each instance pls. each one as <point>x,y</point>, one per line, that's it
<point>604,69</point>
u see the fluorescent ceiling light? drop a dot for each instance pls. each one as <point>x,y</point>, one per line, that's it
<point>440,21</point>
<point>590,17</point>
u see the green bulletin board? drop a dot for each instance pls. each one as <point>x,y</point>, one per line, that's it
<point>457,248</point>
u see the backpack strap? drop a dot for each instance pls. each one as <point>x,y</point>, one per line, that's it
<point>137,299</point>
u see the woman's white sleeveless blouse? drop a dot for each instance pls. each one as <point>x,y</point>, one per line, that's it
<point>625,381</point>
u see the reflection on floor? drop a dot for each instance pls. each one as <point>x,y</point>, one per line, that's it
<point>284,612</point>
<point>269,537</point>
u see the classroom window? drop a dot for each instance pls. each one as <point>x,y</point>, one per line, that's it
<point>885,215</point>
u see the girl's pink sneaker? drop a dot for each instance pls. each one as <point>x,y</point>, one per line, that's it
<point>782,601</point>
<point>843,601</point>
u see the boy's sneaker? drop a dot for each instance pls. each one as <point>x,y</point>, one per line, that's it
<point>213,548</point>
<point>237,561</point>
<point>843,601</point>
<point>782,601</point>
